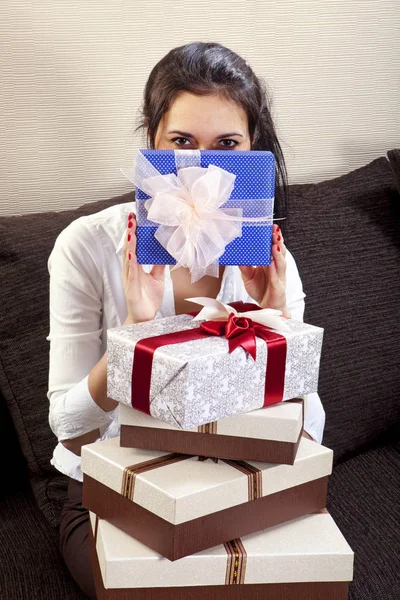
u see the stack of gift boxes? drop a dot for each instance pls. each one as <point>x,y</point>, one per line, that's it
<point>211,491</point>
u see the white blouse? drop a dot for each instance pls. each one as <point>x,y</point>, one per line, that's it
<point>87,298</point>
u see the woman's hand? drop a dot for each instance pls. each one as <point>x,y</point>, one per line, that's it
<point>267,285</point>
<point>143,291</point>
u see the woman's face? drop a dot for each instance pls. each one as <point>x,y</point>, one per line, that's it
<point>203,123</point>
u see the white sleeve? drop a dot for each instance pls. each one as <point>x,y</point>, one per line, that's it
<point>76,293</point>
<point>314,416</point>
<point>294,289</point>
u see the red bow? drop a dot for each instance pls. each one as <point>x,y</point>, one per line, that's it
<point>240,332</point>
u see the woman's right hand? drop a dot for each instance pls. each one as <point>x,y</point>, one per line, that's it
<point>143,291</point>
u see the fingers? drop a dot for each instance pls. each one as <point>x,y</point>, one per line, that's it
<point>125,251</point>
<point>247,273</point>
<point>134,270</point>
<point>279,262</point>
<point>129,261</point>
<point>158,272</point>
<point>277,239</point>
<point>279,252</point>
<point>131,239</point>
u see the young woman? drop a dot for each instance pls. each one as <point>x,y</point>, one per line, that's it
<point>199,96</point>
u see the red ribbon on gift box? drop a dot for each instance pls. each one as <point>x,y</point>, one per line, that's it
<point>239,331</point>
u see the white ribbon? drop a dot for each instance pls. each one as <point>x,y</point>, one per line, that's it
<point>214,310</point>
<point>194,229</point>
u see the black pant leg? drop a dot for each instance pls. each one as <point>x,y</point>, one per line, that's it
<point>74,532</point>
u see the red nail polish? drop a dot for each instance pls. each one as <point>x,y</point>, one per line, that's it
<point>129,256</point>
<point>279,238</point>
<point>130,217</point>
<point>129,237</point>
<point>278,228</point>
<point>279,249</point>
<point>130,224</point>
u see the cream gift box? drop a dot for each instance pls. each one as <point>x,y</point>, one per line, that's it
<point>178,505</point>
<point>304,559</point>
<point>195,382</point>
<point>270,434</point>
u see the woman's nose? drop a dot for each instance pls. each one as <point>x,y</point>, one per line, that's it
<point>204,144</point>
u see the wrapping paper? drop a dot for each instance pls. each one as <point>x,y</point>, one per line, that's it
<point>308,549</point>
<point>255,179</point>
<point>180,488</point>
<point>197,382</point>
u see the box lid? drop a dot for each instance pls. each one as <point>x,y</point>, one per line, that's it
<point>179,488</point>
<point>308,549</point>
<point>280,422</point>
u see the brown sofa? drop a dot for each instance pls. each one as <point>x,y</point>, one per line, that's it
<point>345,236</point>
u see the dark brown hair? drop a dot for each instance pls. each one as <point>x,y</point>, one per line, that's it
<point>210,68</point>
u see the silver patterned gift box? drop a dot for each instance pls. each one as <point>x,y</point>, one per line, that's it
<point>199,381</point>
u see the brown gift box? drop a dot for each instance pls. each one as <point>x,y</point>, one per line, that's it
<point>305,559</point>
<point>179,505</point>
<point>270,434</point>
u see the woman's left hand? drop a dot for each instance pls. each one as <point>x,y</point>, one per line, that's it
<point>267,285</point>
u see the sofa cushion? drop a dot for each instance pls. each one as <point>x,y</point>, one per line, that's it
<point>26,243</point>
<point>31,565</point>
<point>14,471</point>
<point>345,237</point>
<point>394,159</point>
<point>364,500</point>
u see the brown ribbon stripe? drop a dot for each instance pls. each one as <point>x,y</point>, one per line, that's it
<point>236,562</point>
<point>131,472</point>
<point>208,428</point>
<point>254,477</point>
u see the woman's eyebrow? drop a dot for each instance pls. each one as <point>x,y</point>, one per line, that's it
<point>226,135</point>
<point>182,133</point>
<point>219,137</point>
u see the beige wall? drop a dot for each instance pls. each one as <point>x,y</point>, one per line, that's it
<point>72,74</point>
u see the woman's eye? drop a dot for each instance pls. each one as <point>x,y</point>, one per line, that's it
<point>229,143</point>
<point>181,141</point>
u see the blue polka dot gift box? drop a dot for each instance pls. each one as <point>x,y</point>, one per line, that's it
<point>246,188</point>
